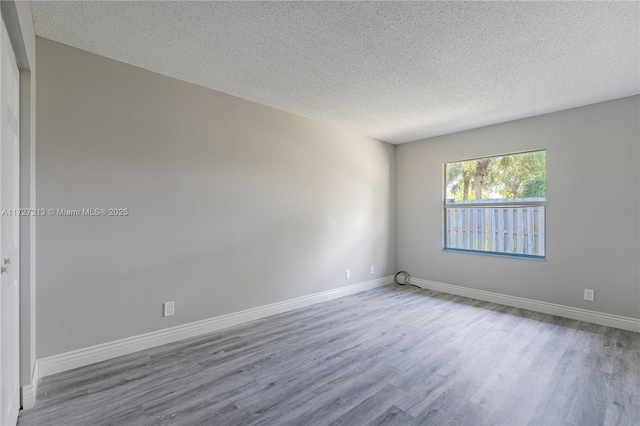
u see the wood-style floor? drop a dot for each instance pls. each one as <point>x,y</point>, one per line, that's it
<point>390,356</point>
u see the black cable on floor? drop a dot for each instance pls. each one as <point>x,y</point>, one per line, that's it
<point>403,278</point>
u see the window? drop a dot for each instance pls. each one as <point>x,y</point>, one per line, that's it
<point>496,205</point>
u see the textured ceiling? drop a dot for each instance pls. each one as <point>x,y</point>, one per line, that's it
<point>395,71</point>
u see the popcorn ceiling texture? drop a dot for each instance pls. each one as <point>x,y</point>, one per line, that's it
<point>394,71</point>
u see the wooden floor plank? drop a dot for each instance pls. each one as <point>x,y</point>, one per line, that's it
<point>395,355</point>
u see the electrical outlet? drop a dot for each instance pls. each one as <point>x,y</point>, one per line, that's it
<point>347,274</point>
<point>372,269</point>
<point>589,294</point>
<point>169,309</point>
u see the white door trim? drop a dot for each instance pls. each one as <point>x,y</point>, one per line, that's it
<point>9,231</point>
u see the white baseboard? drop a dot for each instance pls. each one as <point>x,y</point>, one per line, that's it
<point>609,320</point>
<point>29,391</point>
<point>81,357</point>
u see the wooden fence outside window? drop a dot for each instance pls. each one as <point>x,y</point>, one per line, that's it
<point>502,229</point>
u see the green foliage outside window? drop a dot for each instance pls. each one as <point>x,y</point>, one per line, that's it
<point>508,176</point>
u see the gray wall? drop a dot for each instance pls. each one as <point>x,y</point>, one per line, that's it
<point>232,205</point>
<point>593,191</point>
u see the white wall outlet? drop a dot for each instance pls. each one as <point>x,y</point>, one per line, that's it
<point>347,274</point>
<point>589,294</point>
<point>372,269</point>
<point>169,309</point>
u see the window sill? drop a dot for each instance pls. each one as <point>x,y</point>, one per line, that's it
<point>495,254</point>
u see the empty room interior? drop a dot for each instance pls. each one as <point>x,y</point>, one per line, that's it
<point>320,213</point>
